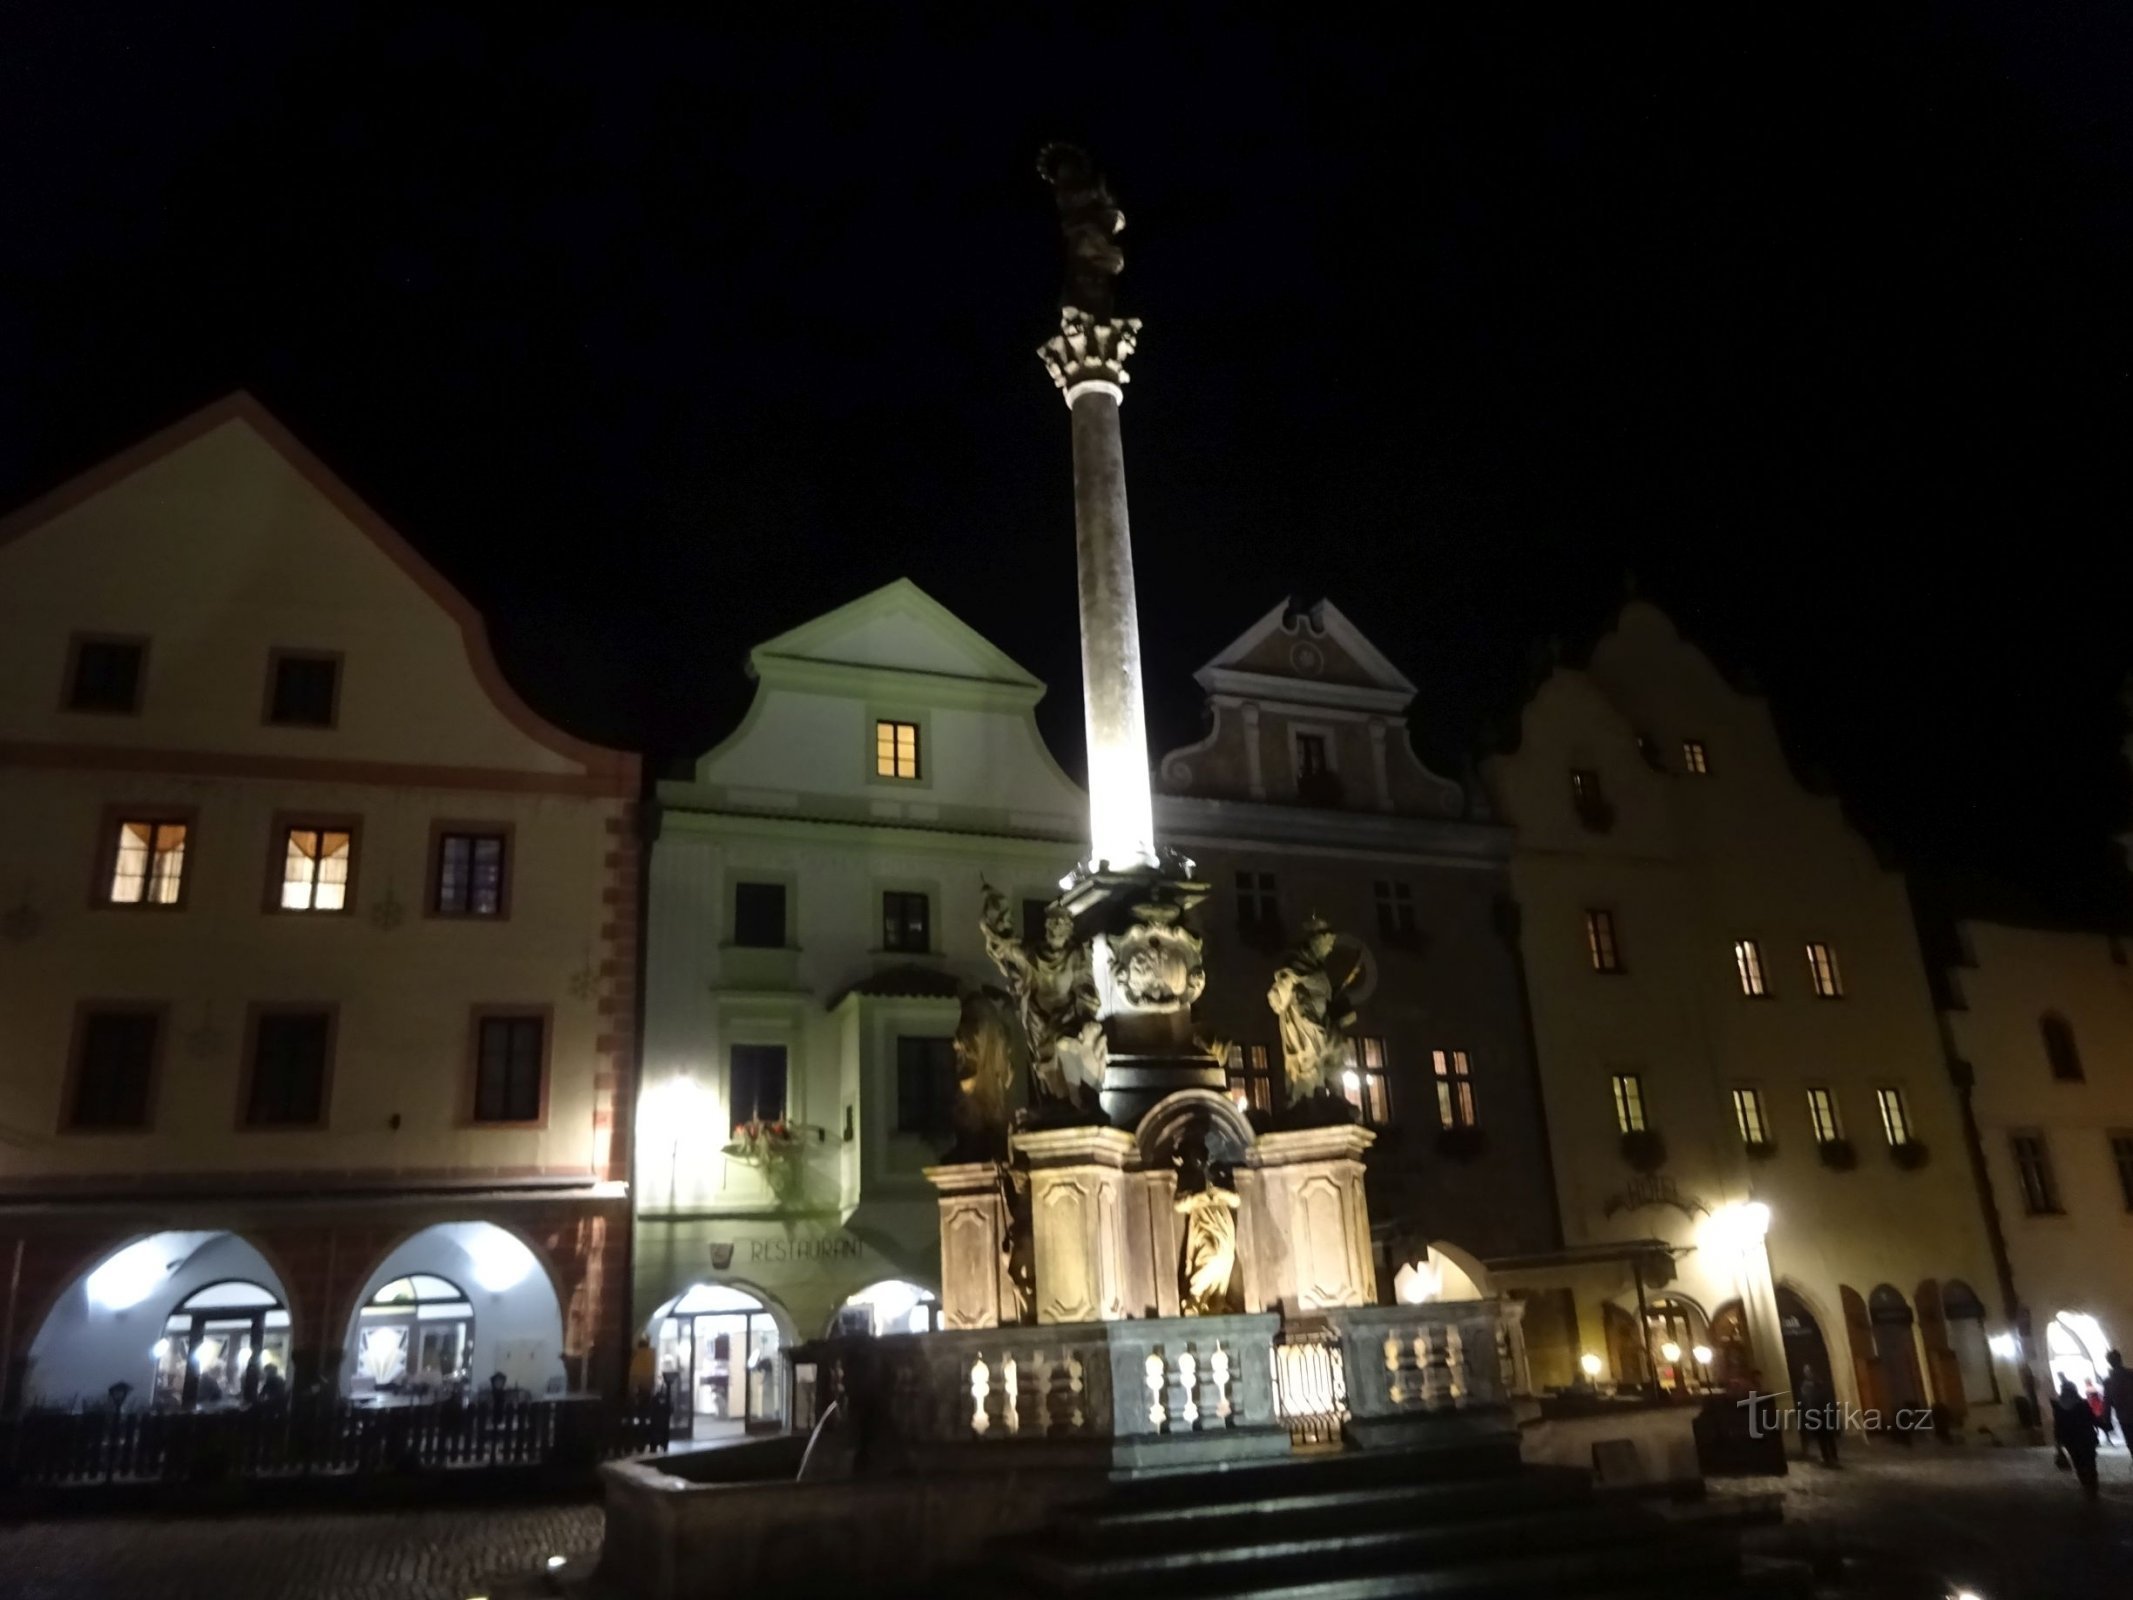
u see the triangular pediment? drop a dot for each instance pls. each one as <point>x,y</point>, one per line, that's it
<point>1312,653</point>
<point>897,628</point>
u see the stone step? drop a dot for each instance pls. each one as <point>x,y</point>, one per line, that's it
<point>1593,1540</point>
<point>1473,1460</point>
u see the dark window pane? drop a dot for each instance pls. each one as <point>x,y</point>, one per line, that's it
<point>470,874</point>
<point>905,922</point>
<point>117,1053</point>
<point>304,691</point>
<point>759,915</point>
<point>758,1083</point>
<point>289,1068</point>
<point>925,1085</point>
<point>507,1080</point>
<point>107,676</point>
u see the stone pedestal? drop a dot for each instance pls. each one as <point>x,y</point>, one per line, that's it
<point>1078,1208</point>
<point>1310,1225</point>
<point>975,1291</point>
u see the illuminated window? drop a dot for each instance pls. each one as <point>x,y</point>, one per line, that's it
<point>2122,1158</point>
<point>315,868</point>
<point>1455,1089</point>
<point>510,1061</point>
<point>1748,1115</point>
<point>288,1069</point>
<point>906,922</point>
<point>1600,941</point>
<point>303,691</point>
<point>1370,1090</point>
<point>105,675</point>
<point>2059,1048</point>
<point>2033,1168</point>
<point>470,874</point>
<point>896,749</point>
<point>925,1085</point>
<point>1257,903</point>
<point>1748,961</point>
<point>1895,1116</point>
<point>1694,758</point>
<point>1629,1102</point>
<point>1396,909</point>
<point>1822,971</point>
<point>114,1068</point>
<point>147,863</point>
<point>1251,1077</point>
<point>1822,1116</point>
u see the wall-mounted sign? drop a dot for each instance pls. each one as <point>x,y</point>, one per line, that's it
<point>1655,1189</point>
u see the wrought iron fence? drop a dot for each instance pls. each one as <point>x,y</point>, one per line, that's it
<point>49,1449</point>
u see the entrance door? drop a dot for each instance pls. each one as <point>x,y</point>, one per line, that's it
<point>1895,1348</point>
<point>1804,1345</point>
<point>718,1392</point>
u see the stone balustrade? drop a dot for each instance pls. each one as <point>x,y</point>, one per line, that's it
<point>1408,1367</point>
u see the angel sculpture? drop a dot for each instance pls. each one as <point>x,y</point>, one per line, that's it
<point>1055,990</point>
<point>1315,1015</point>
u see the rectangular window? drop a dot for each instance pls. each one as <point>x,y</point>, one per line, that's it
<point>756,1087</point>
<point>759,915</point>
<point>114,1068</point>
<point>510,1062</point>
<point>896,750</point>
<point>1895,1116</point>
<point>1396,909</point>
<point>469,873</point>
<point>1748,962</point>
<point>1822,970</point>
<point>925,1086</point>
<point>1257,904</point>
<point>147,863</point>
<point>315,867</point>
<point>289,1053</point>
<point>1600,941</point>
<point>105,675</point>
<point>1455,1089</point>
<point>1585,788</point>
<point>1251,1077</point>
<point>1695,760</point>
<point>2033,1168</point>
<point>1311,757</point>
<point>1748,1115</point>
<point>1629,1102</point>
<point>1822,1116</point>
<point>2122,1158</point>
<point>1035,912</point>
<point>1370,1090</point>
<point>303,691</point>
<point>906,922</point>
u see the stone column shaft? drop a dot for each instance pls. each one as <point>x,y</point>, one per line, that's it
<point>1121,813</point>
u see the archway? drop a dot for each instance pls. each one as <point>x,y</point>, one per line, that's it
<point>719,1349</point>
<point>1807,1364</point>
<point>1626,1356</point>
<point>1675,1329</point>
<point>1895,1349</point>
<point>890,1306</point>
<point>131,1319</point>
<point>2074,1345</point>
<point>1972,1347</point>
<point>476,1302</point>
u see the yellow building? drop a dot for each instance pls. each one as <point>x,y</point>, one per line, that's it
<point>317,953</point>
<point>2042,1023</point>
<point>1735,1032</point>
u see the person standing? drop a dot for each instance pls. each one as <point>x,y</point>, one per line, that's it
<point>2074,1427</point>
<point>2118,1394</point>
<point>1818,1416</point>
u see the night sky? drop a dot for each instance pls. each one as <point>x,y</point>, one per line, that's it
<point>660,337</point>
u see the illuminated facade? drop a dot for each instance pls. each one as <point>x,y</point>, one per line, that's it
<point>1731,1011</point>
<point>317,953</point>
<point>2041,1023</point>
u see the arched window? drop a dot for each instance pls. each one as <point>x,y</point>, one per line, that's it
<point>891,1306</point>
<point>718,1351</point>
<point>417,1332</point>
<point>219,1343</point>
<point>2059,1047</point>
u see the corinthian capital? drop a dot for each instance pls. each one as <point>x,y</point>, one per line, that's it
<point>1089,353</point>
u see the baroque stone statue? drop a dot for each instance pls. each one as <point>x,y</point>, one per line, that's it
<point>1315,1016</point>
<point>985,1076</point>
<point>1089,221</point>
<point>1207,1265</point>
<point>1054,988</point>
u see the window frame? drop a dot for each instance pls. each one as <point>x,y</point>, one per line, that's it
<point>288,822</point>
<point>1600,930</point>
<point>941,1090</point>
<point>444,828</point>
<point>1458,1107</point>
<point>1749,1107</point>
<point>2053,1025</point>
<point>2043,1197</point>
<point>922,774</point>
<point>1372,1095</point>
<point>70,1122</point>
<point>734,886</point>
<point>1250,1071</point>
<point>1632,1111</point>
<point>1695,758</point>
<point>117,815</point>
<point>71,681</point>
<point>1897,1130</point>
<point>785,1051</point>
<point>1259,906</point>
<point>1395,902</point>
<point>505,1011</point>
<point>925,901</point>
<point>1825,975</point>
<point>1749,969</point>
<point>1834,1131</point>
<point>248,1077</point>
<point>276,655</point>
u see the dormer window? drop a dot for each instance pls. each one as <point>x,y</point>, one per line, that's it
<point>1595,815</point>
<point>896,750</point>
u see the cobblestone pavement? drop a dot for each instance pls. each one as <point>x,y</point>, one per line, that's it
<point>446,1554</point>
<point>2002,1523</point>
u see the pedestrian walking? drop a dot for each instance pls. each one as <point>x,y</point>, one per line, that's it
<point>2098,1407</point>
<point>2118,1394</point>
<point>1818,1416</point>
<point>2074,1427</point>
